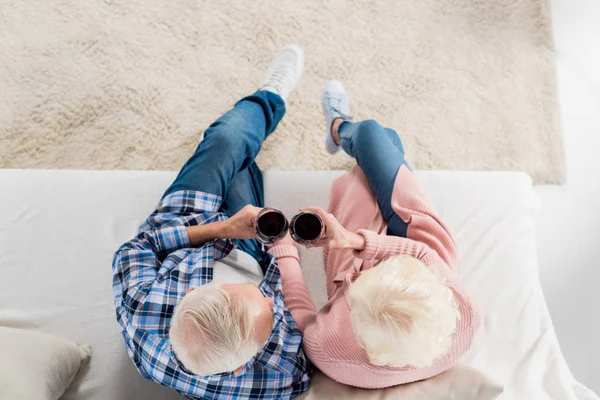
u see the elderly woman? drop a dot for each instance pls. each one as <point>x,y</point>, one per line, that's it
<point>396,311</point>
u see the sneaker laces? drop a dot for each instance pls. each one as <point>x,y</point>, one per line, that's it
<point>334,103</point>
<point>278,77</point>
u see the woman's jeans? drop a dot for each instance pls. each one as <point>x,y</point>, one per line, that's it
<point>223,163</point>
<point>379,153</point>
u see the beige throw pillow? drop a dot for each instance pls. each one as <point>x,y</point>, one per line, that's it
<point>36,365</point>
<point>458,383</point>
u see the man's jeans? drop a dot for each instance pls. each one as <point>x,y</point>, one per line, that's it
<point>223,163</point>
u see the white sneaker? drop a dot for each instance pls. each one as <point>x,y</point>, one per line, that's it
<point>285,71</point>
<point>335,105</point>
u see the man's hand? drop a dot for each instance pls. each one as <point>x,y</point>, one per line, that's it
<point>242,225</point>
<point>239,226</point>
<point>336,236</point>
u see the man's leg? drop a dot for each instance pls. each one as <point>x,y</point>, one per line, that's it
<point>377,150</point>
<point>246,188</point>
<point>232,142</point>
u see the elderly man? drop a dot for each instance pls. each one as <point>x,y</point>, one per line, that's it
<point>198,298</point>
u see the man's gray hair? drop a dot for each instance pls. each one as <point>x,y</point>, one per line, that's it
<point>212,331</point>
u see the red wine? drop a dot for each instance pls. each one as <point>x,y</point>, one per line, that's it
<point>306,227</point>
<point>270,225</point>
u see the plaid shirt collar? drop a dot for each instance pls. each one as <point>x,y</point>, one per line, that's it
<point>154,270</point>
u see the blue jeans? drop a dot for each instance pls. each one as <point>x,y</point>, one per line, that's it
<point>223,163</point>
<point>379,153</point>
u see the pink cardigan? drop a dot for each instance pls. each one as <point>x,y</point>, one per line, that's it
<point>328,338</point>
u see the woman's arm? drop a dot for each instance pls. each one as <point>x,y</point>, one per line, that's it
<point>412,204</point>
<point>380,247</point>
<point>366,244</point>
<point>295,293</point>
<point>298,300</point>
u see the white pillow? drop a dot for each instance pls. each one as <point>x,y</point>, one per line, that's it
<point>35,365</point>
<point>458,383</point>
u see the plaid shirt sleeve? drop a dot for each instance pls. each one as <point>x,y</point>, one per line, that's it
<point>136,263</point>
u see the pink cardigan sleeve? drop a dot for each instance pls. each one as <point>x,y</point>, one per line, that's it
<point>297,299</point>
<point>413,205</point>
<point>295,292</point>
<point>380,247</point>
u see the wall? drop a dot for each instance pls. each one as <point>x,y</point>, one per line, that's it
<point>569,220</point>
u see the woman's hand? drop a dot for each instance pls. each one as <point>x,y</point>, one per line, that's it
<point>287,239</point>
<point>336,236</point>
<point>242,225</point>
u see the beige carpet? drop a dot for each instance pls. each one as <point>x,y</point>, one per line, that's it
<point>131,84</point>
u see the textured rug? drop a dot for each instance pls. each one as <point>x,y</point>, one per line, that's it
<point>131,84</point>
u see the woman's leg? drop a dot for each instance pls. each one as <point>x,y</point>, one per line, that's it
<point>380,154</point>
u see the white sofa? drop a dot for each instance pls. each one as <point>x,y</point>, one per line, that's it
<point>59,229</point>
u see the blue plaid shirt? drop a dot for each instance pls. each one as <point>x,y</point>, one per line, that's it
<point>153,271</point>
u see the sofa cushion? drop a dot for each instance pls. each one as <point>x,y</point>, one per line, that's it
<point>36,365</point>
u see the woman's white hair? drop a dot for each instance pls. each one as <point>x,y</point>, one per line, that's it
<point>212,331</point>
<point>402,313</point>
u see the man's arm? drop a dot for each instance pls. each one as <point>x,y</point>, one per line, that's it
<point>200,234</point>
<point>239,226</point>
<point>242,225</point>
<point>136,263</point>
